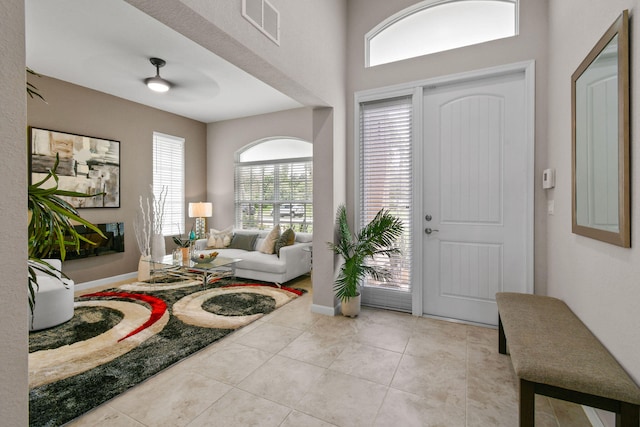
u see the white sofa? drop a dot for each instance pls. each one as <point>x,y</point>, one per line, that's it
<point>53,299</point>
<point>294,260</point>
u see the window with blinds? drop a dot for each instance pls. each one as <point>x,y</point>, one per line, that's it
<point>386,181</point>
<point>168,177</point>
<point>271,190</point>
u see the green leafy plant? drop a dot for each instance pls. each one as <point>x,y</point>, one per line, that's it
<point>50,226</point>
<point>50,219</point>
<point>375,239</point>
<point>183,242</point>
<point>32,91</point>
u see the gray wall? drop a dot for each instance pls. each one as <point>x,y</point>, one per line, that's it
<point>599,281</point>
<point>14,410</point>
<point>74,109</point>
<point>225,138</point>
<point>530,44</point>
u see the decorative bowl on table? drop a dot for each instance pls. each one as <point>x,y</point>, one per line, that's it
<point>203,257</point>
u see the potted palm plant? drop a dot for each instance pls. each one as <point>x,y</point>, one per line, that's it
<point>375,239</point>
<point>50,226</point>
<point>50,220</point>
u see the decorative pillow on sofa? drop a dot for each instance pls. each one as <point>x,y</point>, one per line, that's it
<point>219,239</point>
<point>269,243</point>
<point>243,241</point>
<point>286,239</point>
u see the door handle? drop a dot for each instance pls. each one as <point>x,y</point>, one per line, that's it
<point>429,230</point>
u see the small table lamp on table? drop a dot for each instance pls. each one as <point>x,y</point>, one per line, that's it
<point>200,211</point>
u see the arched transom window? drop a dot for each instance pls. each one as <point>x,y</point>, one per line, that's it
<point>434,26</point>
<point>274,184</point>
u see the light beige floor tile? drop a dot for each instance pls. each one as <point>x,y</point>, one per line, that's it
<point>435,341</point>
<point>482,335</point>
<point>239,408</point>
<point>439,378</point>
<point>454,329</point>
<point>408,410</point>
<point>298,419</point>
<point>282,380</point>
<point>386,336</point>
<point>387,317</point>
<point>239,333</point>
<point>369,363</point>
<point>343,400</point>
<point>170,400</point>
<point>548,420</point>
<point>569,414</point>
<point>104,416</point>
<point>233,363</point>
<point>335,326</point>
<point>317,349</point>
<point>297,316</point>
<point>269,337</point>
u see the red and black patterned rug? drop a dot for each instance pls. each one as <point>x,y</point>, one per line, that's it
<point>119,337</point>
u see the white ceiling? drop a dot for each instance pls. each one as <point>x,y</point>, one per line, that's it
<point>106,46</point>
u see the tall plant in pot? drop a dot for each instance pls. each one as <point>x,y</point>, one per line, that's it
<point>51,220</point>
<point>375,239</point>
<point>51,226</point>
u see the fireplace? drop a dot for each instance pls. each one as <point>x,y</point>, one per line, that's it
<point>114,242</point>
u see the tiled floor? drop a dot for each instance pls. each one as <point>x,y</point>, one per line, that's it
<point>297,368</point>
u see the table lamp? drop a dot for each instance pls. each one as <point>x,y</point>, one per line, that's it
<point>200,211</point>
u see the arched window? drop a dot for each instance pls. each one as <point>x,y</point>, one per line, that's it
<point>434,26</point>
<point>274,184</point>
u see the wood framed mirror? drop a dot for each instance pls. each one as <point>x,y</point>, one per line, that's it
<point>600,139</point>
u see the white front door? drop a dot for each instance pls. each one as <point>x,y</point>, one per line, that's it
<point>476,215</point>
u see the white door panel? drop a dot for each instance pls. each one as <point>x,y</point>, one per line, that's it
<point>475,190</point>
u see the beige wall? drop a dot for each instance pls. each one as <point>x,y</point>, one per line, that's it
<point>74,109</point>
<point>309,65</point>
<point>600,282</point>
<point>530,44</point>
<point>14,310</point>
<point>225,138</point>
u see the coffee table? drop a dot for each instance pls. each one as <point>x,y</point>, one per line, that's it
<point>219,267</point>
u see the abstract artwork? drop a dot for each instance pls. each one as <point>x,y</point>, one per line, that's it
<point>86,164</point>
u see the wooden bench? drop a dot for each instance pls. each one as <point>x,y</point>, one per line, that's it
<point>554,354</point>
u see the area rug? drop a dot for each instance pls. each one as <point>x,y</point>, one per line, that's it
<point>122,336</point>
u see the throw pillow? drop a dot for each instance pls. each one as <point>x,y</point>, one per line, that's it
<point>269,243</point>
<point>286,239</point>
<point>219,239</point>
<point>243,241</point>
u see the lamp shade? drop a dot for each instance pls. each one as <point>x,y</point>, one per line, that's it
<point>200,210</point>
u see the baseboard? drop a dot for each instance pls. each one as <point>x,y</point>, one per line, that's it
<point>593,417</point>
<point>105,281</point>
<point>322,309</point>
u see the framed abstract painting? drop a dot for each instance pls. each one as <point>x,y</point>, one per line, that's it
<point>86,164</point>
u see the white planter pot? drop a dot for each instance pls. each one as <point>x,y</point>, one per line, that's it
<point>144,268</point>
<point>351,307</point>
<point>158,250</point>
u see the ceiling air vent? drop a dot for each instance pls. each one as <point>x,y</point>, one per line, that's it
<point>263,16</point>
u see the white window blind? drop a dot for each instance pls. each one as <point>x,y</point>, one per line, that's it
<point>168,174</point>
<point>386,181</point>
<point>273,193</point>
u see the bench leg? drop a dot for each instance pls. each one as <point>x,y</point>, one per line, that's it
<point>527,403</point>
<point>629,415</point>
<point>502,339</point>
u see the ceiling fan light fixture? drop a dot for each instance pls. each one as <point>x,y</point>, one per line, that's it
<point>157,83</point>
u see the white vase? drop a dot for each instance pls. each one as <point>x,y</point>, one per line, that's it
<point>158,250</point>
<point>144,268</point>
<point>351,306</point>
